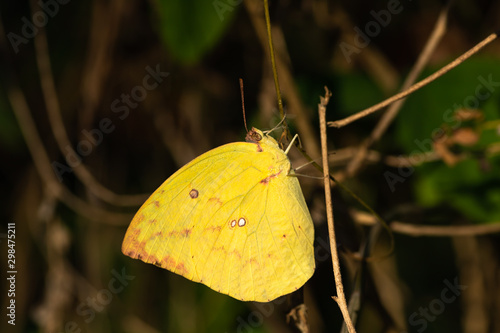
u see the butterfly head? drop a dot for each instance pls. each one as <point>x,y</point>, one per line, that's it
<point>257,136</point>
<point>254,135</point>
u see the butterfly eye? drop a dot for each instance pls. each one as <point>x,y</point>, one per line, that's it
<point>253,136</point>
<point>193,193</point>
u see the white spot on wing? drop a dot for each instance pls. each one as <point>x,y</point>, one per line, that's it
<point>242,222</point>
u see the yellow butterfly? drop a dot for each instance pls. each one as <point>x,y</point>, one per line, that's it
<point>234,219</point>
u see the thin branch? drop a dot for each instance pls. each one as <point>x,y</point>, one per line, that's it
<point>105,24</point>
<point>477,267</point>
<point>417,230</point>
<point>39,154</point>
<point>343,156</point>
<point>43,166</point>
<point>57,124</point>
<point>433,41</point>
<point>416,86</point>
<point>340,298</point>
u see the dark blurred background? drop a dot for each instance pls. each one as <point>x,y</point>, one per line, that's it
<point>101,101</point>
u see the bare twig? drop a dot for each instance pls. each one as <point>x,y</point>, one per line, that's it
<point>340,298</point>
<point>39,154</point>
<point>418,230</point>
<point>42,164</point>
<point>416,86</point>
<point>298,315</point>
<point>444,231</point>
<point>436,35</point>
<point>103,30</point>
<point>57,124</point>
<point>474,263</point>
<point>342,157</point>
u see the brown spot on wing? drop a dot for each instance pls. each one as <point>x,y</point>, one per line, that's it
<point>156,203</point>
<point>135,249</point>
<point>181,269</point>
<point>236,253</point>
<point>177,267</point>
<point>219,248</point>
<point>194,193</point>
<point>168,262</point>
<point>216,228</point>
<point>252,261</point>
<point>150,259</point>
<point>215,200</point>
<point>266,180</point>
<point>183,233</point>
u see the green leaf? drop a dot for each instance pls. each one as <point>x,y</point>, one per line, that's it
<point>191,28</point>
<point>471,187</point>
<point>432,107</point>
<point>356,92</point>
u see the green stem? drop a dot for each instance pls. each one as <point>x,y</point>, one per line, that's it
<point>273,65</point>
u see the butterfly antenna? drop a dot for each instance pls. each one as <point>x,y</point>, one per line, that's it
<point>243,103</point>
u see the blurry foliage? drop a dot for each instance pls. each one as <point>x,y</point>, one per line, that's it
<point>471,186</point>
<point>428,109</point>
<point>206,49</point>
<point>191,28</point>
<point>10,135</point>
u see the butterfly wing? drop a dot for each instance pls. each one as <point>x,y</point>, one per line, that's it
<point>268,250</point>
<point>233,219</point>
